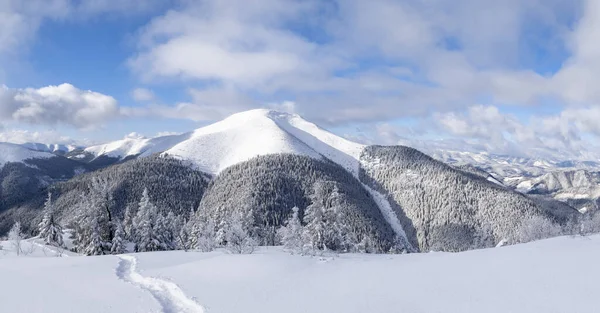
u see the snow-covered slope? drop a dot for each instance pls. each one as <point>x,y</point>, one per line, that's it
<point>51,148</point>
<point>554,275</point>
<point>135,146</point>
<point>239,138</point>
<point>16,153</point>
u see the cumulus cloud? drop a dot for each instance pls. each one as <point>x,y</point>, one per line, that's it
<point>142,95</point>
<point>351,61</point>
<point>53,105</point>
<point>569,133</point>
<point>207,104</point>
<point>438,57</point>
<point>20,136</point>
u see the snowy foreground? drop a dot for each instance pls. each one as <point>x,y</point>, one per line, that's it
<point>555,275</point>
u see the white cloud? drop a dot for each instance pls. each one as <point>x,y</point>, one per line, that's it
<point>20,136</point>
<point>207,104</point>
<point>142,95</point>
<point>449,54</point>
<point>571,133</point>
<point>52,105</point>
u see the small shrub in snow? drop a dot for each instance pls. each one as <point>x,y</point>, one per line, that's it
<point>15,236</point>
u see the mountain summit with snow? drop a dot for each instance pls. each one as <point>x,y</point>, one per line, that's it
<point>241,137</point>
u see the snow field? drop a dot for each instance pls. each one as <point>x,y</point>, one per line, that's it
<point>553,275</point>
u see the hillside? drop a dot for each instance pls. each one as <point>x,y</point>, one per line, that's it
<point>15,153</point>
<point>442,208</point>
<point>24,176</point>
<point>259,164</point>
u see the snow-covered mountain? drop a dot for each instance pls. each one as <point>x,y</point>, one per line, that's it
<point>239,138</point>
<point>264,163</point>
<point>59,149</point>
<point>16,153</point>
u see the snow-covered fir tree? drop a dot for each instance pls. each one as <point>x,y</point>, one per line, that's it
<point>203,234</point>
<point>93,225</point>
<point>95,245</point>
<point>162,232</point>
<point>239,240</point>
<point>291,233</point>
<point>324,228</point>
<point>128,222</point>
<point>119,243</point>
<point>146,238</point>
<point>50,230</point>
<point>173,226</point>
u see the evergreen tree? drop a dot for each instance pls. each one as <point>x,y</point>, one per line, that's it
<point>145,224</point>
<point>50,230</point>
<point>128,223</point>
<point>95,246</point>
<point>118,243</point>
<point>238,239</point>
<point>162,232</point>
<point>291,233</point>
<point>324,228</point>
<point>203,231</point>
<point>173,226</point>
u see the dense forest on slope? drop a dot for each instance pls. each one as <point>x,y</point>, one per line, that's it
<point>23,185</point>
<point>443,208</point>
<point>270,186</point>
<point>172,184</point>
<point>440,207</point>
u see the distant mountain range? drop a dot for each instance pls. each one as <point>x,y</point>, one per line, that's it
<point>267,162</point>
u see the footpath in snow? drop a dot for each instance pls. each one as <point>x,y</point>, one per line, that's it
<point>168,294</point>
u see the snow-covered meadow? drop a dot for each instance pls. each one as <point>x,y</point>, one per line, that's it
<point>553,275</point>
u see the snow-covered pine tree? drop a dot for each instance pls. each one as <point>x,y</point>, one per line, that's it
<point>128,223</point>
<point>50,230</point>
<point>313,236</point>
<point>239,240</point>
<point>173,224</point>
<point>95,246</point>
<point>336,232</point>
<point>93,222</point>
<point>118,243</point>
<point>291,233</point>
<point>324,228</point>
<point>15,236</point>
<point>101,200</point>
<point>144,223</point>
<point>80,224</point>
<point>184,238</point>
<point>203,231</point>
<point>162,232</point>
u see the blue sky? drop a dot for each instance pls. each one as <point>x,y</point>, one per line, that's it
<point>510,76</point>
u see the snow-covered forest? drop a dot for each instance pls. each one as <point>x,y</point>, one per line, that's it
<point>308,206</point>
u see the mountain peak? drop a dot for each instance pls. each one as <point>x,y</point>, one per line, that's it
<point>240,137</point>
